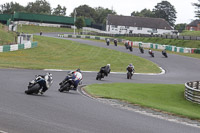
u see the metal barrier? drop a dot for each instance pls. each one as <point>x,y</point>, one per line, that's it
<point>192,91</point>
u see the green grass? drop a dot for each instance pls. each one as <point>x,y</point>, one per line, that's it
<point>168,98</point>
<point>5,36</point>
<point>190,33</point>
<point>53,53</point>
<point>36,29</point>
<point>174,42</point>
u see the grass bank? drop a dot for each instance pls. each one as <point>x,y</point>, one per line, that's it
<point>174,42</point>
<point>6,37</point>
<point>167,98</point>
<point>36,29</point>
<point>53,53</point>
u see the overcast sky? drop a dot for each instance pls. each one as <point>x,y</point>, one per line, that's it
<point>184,8</point>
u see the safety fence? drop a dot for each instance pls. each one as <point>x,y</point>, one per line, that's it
<point>145,45</point>
<point>192,91</point>
<point>14,47</point>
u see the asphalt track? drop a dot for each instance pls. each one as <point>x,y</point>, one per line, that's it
<point>74,112</point>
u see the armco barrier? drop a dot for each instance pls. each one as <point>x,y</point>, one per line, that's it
<point>192,91</point>
<point>14,47</point>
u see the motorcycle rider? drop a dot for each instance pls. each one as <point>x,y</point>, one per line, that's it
<point>105,70</point>
<point>164,51</point>
<point>45,82</point>
<point>107,41</point>
<point>150,51</point>
<point>76,76</point>
<point>130,68</point>
<point>115,42</point>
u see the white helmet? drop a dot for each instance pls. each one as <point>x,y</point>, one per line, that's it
<point>108,65</point>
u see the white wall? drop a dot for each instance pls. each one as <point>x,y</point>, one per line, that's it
<point>135,30</point>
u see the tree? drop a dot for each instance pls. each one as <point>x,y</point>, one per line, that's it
<point>180,27</point>
<point>80,23</point>
<point>143,13</point>
<point>59,11</point>
<point>102,14</point>
<point>84,11</point>
<point>39,6</point>
<point>10,8</point>
<point>166,11</point>
<point>197,6</point>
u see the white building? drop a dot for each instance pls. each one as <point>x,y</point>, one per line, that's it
<point>137,25</point>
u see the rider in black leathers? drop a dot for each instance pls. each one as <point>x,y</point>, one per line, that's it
<point>105,69</point>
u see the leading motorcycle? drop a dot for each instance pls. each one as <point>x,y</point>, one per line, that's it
<point>38,83</point>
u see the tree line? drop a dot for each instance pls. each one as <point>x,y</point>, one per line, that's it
<point>98,15</point>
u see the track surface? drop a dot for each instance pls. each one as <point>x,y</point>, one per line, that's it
<point>73,112</point>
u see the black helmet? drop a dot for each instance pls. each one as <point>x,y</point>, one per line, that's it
<point>78,70</point>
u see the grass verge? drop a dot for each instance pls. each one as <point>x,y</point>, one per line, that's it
<point>53,53</point>
<point>168,98</point>
<point>37,29</point>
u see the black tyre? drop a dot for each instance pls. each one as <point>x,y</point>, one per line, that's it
<point>34,89</point>
<point>65,87</point>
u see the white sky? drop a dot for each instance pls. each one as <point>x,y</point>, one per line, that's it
<point>184,8</point>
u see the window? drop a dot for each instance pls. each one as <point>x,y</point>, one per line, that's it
<point>139,28</point>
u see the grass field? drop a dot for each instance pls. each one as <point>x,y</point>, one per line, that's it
<point>167,98</point>
<point>5,36</point>
<point>190,33</point>
<point>54,53</point>
<point>37,29</point>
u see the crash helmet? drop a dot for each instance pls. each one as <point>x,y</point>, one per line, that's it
<point>78,70</point>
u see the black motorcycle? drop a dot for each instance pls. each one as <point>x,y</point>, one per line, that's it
<point>129,75</point>
<point>141,49</point>
<point>151,53</point>
<point>115,42</point>
<point>130,48</point>
<point>66,84</point>
<point>126,45</point>
<point>100,76</point>
<point>38,83</point>
<point>164,54</point>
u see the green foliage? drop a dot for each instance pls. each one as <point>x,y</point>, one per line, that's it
<point>102,14</point>
<point>39,6</point>
<point>59,11</point>
<point>197,7</point>
<point>84,11</point>
<point>53,53</point>
<point>166,11</point>
<point>165,97</point>
<point>10,8</point>
<point>80,23</point>
<point>143,13</point>
<point>180,27</point>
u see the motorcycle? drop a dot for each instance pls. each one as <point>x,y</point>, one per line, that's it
<point>126,45</point>
<point>130,48</point>
<point>164,54</point>
<point>151,53</point>
<point>66,85</point>
<point>141,49</point>
<point>104,71</point>
<point>115,42</point>
<point>38,83</point>
<point>100,76</point>
<point>130,74</point>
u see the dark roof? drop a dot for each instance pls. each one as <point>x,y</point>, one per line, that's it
<point>194,23</point>
<point>136,21</point>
